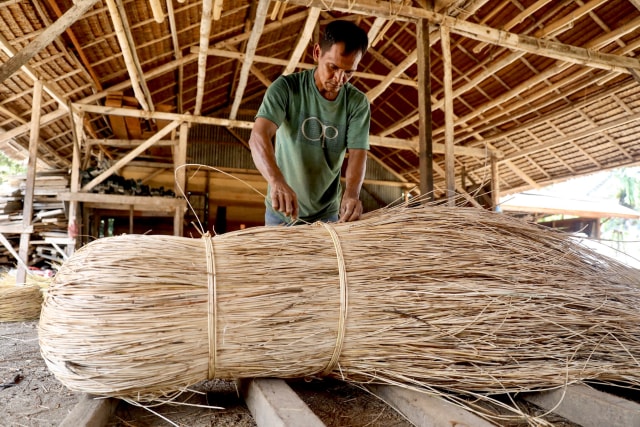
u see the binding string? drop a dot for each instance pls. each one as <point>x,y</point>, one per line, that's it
<point>333,362</point>
<point>212,324</point>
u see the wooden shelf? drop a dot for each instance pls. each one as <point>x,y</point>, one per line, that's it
<point>122,202</point>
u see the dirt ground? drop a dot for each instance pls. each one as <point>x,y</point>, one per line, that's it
<point>29,394</point>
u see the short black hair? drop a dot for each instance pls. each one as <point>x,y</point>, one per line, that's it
<point>353,37</point>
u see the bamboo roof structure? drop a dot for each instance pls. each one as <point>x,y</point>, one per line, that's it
<point>537,90</point>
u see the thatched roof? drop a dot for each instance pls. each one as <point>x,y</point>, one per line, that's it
<point>548,88</point>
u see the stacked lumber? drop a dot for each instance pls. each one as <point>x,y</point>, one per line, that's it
<point>48,221</point>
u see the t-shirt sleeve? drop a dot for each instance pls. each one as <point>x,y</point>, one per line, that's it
<point>358,124</point>
<point>274,103</point>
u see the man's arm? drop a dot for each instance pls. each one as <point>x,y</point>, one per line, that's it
<point>351,206</point>
<point>283,198</point>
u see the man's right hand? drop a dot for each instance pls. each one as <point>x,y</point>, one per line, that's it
<point>284,199</point>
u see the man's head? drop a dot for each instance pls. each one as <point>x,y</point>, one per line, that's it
<point>338,54</point>
<point>354,38</point>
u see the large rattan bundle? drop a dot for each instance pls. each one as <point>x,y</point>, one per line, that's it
<point>446,298</point>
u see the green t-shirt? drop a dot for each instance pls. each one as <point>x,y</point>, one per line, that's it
<point>313,136</point>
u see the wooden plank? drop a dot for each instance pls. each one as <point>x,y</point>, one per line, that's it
<point>117,122</point>
<point>90,412</point>
<point>587,406</point>
<point>45,38</point>
<point>424,410</point>
<point>274,404</point>
<point>161,204</point>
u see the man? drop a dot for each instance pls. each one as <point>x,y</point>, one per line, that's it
<point>315,116</point>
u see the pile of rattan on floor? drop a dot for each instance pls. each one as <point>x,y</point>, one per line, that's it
<point>452,299</point>
<point>19,302</point>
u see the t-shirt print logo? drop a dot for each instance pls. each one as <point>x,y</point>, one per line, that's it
<point>314,130</point>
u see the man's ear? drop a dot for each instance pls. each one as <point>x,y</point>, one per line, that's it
<point>316,52</point>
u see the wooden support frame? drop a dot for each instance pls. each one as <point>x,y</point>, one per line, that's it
<point>402,144</point>
<point>131,155</point>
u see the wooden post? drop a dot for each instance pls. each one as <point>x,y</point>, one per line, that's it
<point>74,227</point>
<point>27,210</point>
<point>449,159</point>
<point>179,159</point>
<point>424,107</point>
<point>495,184</point>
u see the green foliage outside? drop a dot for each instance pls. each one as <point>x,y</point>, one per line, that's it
<point>9,167</point>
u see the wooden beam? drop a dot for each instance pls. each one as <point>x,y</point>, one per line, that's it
<point>125,143</point>
<point>276,61</point>
<point>74,228</point>
<point>180,159</point>
<point>162,115</point>
<point>76,44</point>
<point>90,412</point>
<point>45,37</point>
<point>11,53</point>
<point>495,184</point>
<point>375,29</point>
<point>303,41</point>
<point>131,155</point>
<point>273,403</point>
<point>205,31</point>
<point>422,409</point>
<point>534,45</point>
<point>394,74</point>
<point>588,407</point>
<point>7,244</point>
<point>177,52</point>
<point>252,44</point>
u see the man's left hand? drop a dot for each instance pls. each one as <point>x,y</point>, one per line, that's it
<point>350,209</point>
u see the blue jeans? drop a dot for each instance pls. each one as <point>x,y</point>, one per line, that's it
<point>272,217</point>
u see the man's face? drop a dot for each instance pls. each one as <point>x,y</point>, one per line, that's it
<point>335,68</point>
